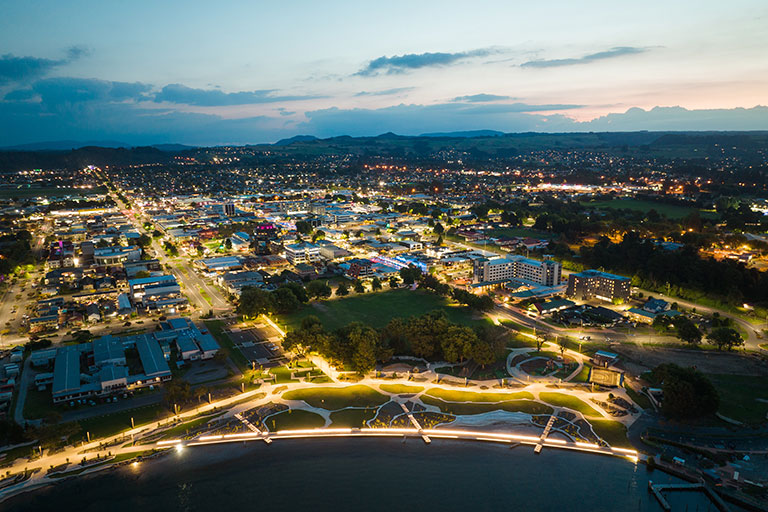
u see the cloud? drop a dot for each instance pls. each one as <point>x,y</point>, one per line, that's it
<point>618,51</point>
<point>181,94</point>
<point>19,69</point>
<point>386,92</point>
<point>480,98</point>
<point>66,90</point>
<point>409,61</point>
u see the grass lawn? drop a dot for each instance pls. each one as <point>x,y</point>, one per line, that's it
<point>583,374</point>
<point>466,408</point>
<point>640,399</point>
<point>184,428</point>
<point>216,328</point>
<point>377,309</point>
<point>471,396</point>
<point>352,418</point>
<point>571,402</point>
<point>670,211</point>
<point>612,432</point>
<point>38,404</point>
<point>401,389</point>
<point>338,398</point>
<point>282,374</point>
<point>738,394</point>
<point>293,420</point>
<point>111,424</point>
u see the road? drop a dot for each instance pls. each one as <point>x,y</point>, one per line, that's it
<point>190,281</point>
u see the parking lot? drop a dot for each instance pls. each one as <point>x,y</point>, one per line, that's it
<point>256,348</point>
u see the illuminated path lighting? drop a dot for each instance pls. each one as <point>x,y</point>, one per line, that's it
<point>465,435</point>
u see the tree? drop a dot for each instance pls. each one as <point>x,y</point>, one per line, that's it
<point>228,244</point>
<point>156,234</point>
<point>439,229</point>
<point>364,339</point>
<point>687,392</point>
<point>393,282</point>
<point>342,290</point>
<point>303,227</point>
<point>482,353</point>
<point>171,249</point>
<point>562,342</point>
<point>458,343</point>
<point>285,300</point>
<point>358,286</point>
<point>410,274</point>
<point>687,331</point>
<point>297,289</point>
<point>376,284</point>
<point>424,333</point>
<point>254,302</point>
<point>725,338</point>
<point>144,240</point>
<point>319,290</point>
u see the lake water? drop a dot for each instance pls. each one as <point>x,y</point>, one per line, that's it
<point>363,475</point>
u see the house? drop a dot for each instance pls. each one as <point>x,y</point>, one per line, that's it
<point>656,306</point>
<point>92,313</point>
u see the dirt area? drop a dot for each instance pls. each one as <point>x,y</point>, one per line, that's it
<point>638,360</point>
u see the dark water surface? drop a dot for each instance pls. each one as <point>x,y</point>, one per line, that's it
<point>363,475</point>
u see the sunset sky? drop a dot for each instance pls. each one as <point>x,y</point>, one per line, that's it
<point>246,72</point>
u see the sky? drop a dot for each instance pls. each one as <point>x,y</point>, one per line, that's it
<point>237,72</point>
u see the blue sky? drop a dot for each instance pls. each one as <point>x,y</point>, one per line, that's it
<point>245,72</point>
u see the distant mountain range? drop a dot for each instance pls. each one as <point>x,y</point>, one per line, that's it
<point>68,145</point>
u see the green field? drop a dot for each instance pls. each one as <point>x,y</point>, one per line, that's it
<point>471,396</point>
<point>27,192</point>
<point>571,402</point>
<point>334,399</point>
<point>401,389</point>
<point>352,418</point>
<point>293,420</point>
<point>670,211</point>
<point>377,309</point>
<point>738,397</point>
<point>467,408</point>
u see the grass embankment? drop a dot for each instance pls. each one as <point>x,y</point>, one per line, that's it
<point>571,402</point>
<point>111,424</point>
<point>471,396</point>
<point>739,396</point>
<point>216,328</point>
<point>334,399</point>
<point>467,408</point>
<point>293,419</point>
<point>401,389</point>
<point>352,418</point>
<point>612,432</point>
<point>377,309</point>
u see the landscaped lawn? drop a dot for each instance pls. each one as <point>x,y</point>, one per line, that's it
<point>183,428</point>
<point>282,374</point>
<point>401,389</point>
<point>377,309</point>
<point>571,402</point>
<point>583,374</point>
<point>640,399</point>
<point>471,396</point>
<point>293,420</point>
<point>738,394</point>
<point>337,398</point>
<point>352,418</point>
<point>526,406</point>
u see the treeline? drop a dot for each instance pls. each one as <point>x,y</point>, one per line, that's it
<point>681,273</point>
<point>359,347</point>
<point>15,250</point>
